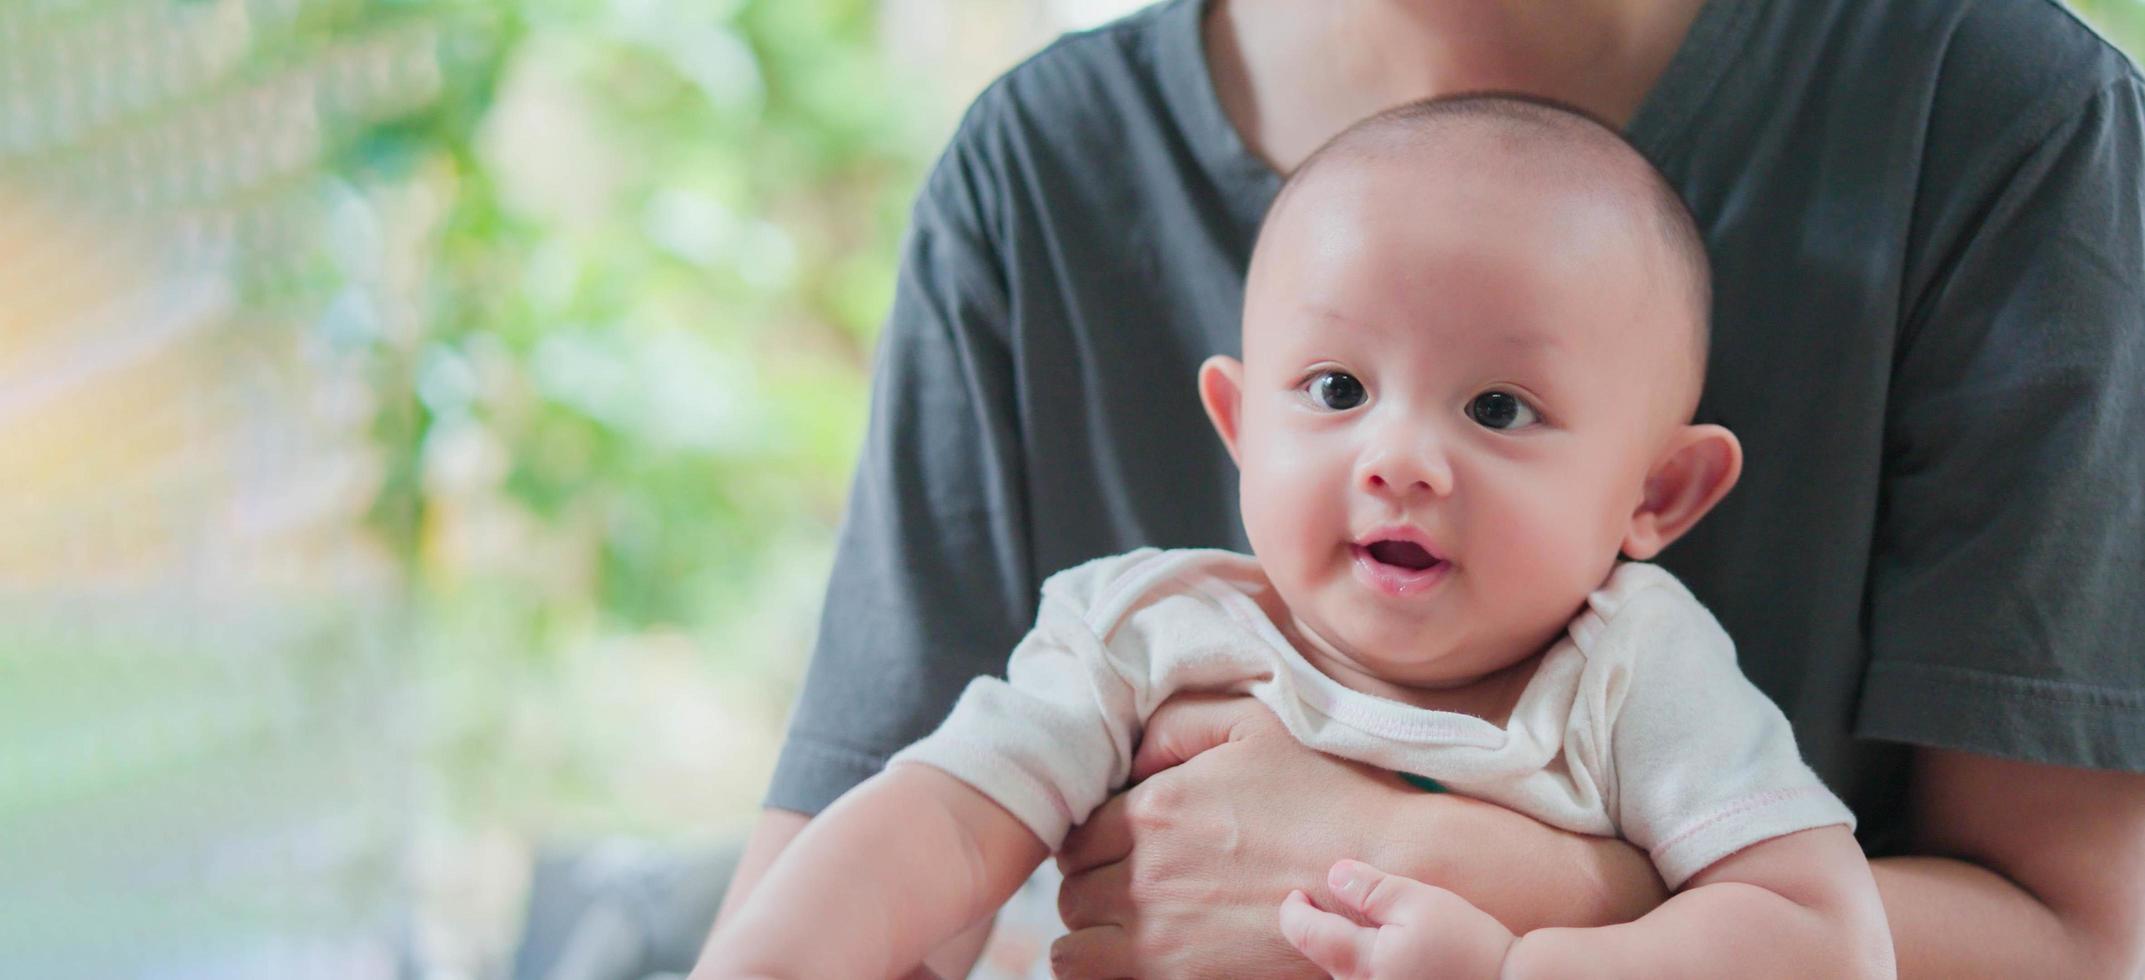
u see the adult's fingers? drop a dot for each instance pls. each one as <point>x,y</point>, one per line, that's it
<point>1097,897</point>
<point>1097,953</point>
<point>1338,946</point>
<point>1106,838</point>
<point>1188,724</point>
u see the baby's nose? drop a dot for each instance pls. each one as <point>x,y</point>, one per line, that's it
<point>1379,482</point>
<point>1404,471</point>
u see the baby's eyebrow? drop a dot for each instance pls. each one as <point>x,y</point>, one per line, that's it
<point>1326,312</point>
<point>1530,340</point>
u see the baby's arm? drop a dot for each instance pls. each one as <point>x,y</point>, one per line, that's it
<point>891,870</point>
<point>1800,905</point>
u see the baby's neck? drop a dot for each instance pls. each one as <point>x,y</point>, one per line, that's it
<point>1490,697</point>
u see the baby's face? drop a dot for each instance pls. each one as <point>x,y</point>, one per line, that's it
<point>1450,400</point>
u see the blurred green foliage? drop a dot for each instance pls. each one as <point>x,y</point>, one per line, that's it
<point>674,353</point>
<point>2123,21</point>
<point>666,243</point>
<point>463,473</point>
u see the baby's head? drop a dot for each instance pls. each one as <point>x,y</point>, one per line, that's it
<point>1475,332</point>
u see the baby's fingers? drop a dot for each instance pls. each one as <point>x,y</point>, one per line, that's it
<point>1383,898</point>
<point>1338,946</point>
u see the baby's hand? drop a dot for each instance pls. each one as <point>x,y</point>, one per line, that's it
<point>1417,930</point>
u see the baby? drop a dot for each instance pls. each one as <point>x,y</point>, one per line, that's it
<point>1474,332</point>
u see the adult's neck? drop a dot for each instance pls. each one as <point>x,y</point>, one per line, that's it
<point>1291,73</point>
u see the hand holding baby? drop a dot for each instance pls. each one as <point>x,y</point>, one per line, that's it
<point>1178,875</point>
<point>1231,811</point>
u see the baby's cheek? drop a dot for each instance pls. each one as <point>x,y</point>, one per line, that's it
<point>1269,511</point>
<point>1290,518</point>
<point>1552,536</point>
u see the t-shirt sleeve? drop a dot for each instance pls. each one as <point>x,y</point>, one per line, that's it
<point>2007,590</point>
<point>1705,764</point>
<point>1051,740</point>
<point>932,581</point>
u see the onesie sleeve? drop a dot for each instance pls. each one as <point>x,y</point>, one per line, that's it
<point>1056,735</point>
<point>1704,764</point>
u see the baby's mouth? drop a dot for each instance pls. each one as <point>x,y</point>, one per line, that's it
<point>1398,566</point>
<point>1403,554</point>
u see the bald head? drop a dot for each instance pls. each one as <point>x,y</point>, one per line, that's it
<point>1536,140</point>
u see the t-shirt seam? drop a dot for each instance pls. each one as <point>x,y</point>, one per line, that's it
<point>994,93</point>
<point>1135,22</point>
<point>2107,46</point>
<point>2065,103</point>
<point>2014,685</point>
<point>971,223</point>
<point>1995,178</point>
<point>2061,109</point>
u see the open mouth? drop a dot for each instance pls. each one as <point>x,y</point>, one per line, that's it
<point>1398,566</point>
<point>1405,554</point>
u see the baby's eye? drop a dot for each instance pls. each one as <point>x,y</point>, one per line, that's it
<point>1337,390</point>
<point>1501,410</point>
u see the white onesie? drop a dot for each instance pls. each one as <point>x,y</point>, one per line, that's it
<point>1636,724</point>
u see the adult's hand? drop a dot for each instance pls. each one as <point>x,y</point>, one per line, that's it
<point>1182,875</point>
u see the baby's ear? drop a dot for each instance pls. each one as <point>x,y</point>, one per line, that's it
<point>1221,390</point>
<point>1700,467</point>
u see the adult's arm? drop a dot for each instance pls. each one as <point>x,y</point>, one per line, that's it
<point>2021,870</point>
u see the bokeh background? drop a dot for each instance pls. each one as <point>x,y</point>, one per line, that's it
<point>423,426</point>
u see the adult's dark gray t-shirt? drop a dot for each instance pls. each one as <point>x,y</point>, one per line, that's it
<point>1928,240</point>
